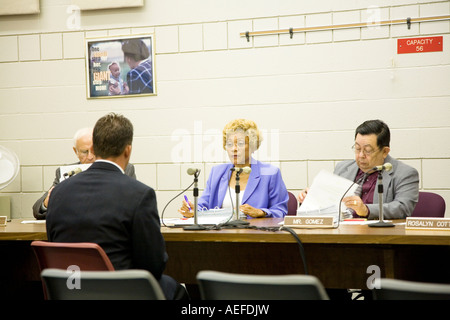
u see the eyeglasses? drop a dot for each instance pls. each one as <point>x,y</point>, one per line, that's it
<point>239,144</point>
<point>83,153</point>
<point>367,151</point>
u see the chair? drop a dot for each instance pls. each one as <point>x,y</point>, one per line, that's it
<point>87,256</point>
<point>394,289</point>
<point>101,285</point>
<point>429,205</point>
<point>215,285</point>
<point>292,204</point>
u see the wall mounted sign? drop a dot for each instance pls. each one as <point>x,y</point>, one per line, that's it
<point>419,45</point>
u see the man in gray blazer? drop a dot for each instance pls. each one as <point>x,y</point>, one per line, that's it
<point>400,185</point>
<point>82,143</point>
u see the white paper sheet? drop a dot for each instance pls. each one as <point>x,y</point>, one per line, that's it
<point>325,193</point>
<point>209,217</point>
<point>65,169</point>
<point>33,221</point>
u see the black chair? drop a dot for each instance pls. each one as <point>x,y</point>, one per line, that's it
<point>215,285</point>
<point>394,289</point>
<point>101,285</point>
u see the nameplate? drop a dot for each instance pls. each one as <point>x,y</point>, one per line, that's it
<point>3,220</point>
<point>309,221</point>
<point>428,223</point>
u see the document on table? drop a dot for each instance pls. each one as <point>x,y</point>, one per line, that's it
<point>204,217</point>
<point>325,193</point>
<point>33,221</point>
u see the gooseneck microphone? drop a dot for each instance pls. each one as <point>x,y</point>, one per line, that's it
<point>236,221</point>
<point>192,171</point>
<point>359,181</point>
<point>386,167</point>
<point>240,170</point>
<point>72,172</point>
<point>381,222</point>
<point>195,226</point>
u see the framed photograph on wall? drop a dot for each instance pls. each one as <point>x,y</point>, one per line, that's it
<point>120,66</point>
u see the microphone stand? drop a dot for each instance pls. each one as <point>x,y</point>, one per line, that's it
<point>381,222</point>
<point>237,188</point>
<point>195,226</point>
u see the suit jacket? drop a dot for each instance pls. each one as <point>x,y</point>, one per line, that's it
<point>105,206</point>
<point>265,189</point>
<point>400,188</point>
<point>40,213</point>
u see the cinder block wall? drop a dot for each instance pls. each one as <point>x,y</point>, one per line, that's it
<point>307,93</point>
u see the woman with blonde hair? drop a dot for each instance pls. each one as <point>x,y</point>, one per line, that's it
<point>262,191</point>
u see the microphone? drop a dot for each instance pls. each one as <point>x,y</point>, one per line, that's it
<point>240,170</point>
<point>195,226</point>
<point>359,181</point>
<point>386,167</point>
<point>192,171</point>
<point>72,172</point>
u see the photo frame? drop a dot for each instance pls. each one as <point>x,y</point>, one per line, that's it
<point>120,66</point>
<point>110,4</point>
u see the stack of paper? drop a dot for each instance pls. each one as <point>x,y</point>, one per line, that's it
<point>204,217</point>
<point>325,194</point>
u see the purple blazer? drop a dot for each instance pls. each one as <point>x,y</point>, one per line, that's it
<point>265,189</point>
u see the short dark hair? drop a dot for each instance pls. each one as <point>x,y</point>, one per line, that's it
<point>112,133</point>
<point>135,49</point>
<point>377,127</point>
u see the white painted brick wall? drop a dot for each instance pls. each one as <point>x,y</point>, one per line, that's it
<point>307,93</point>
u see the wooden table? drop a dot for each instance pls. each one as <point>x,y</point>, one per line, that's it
<point>338,257</point>
<point>16,230</point>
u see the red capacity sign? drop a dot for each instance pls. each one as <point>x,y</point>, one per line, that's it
<point>417,45</point>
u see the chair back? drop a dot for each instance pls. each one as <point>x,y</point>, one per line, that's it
<point>101,285</point>
<point>429,205</point>
<point>215,285</point>
<point>292,205</point>
<point>394,289</point>
<point>87,256</point>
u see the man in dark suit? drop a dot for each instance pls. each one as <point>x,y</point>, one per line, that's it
<point>82,143</point>
<point>107,207</point>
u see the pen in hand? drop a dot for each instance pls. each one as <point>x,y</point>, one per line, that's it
<point>187,202</point>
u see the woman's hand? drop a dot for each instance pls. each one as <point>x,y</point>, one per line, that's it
<point>185,209</point>
<point>252,212</point>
